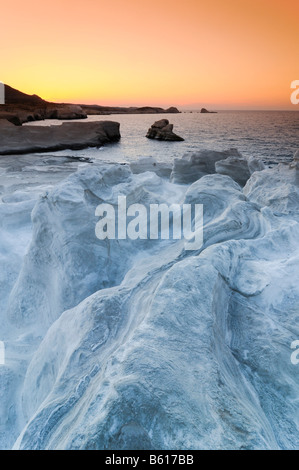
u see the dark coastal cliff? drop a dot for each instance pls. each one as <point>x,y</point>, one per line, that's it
<point>20,107</point>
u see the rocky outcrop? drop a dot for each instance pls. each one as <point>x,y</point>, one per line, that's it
<point>141,344</point>
<point>192,167</point>
<point>103,110</point>
<point>20,108</point>
<point>162,130</point>
<point>69,135</point>
<point>276,188</point>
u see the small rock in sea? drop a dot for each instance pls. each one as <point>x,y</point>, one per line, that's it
<point>162,130</point>
<point>205,111</point>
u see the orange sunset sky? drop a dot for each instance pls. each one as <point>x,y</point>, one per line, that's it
<point>225,54</point>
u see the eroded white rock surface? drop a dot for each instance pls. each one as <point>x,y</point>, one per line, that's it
<point>142,344</point>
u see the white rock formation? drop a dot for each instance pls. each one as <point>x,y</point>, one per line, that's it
<point>2,93</point>
<point>205,162</point>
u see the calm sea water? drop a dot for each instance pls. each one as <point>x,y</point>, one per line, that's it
<point>272,136</point>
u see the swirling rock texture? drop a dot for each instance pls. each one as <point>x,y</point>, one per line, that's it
<point>145,345</point>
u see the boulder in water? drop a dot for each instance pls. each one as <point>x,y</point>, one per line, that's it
<point>162,130</point>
